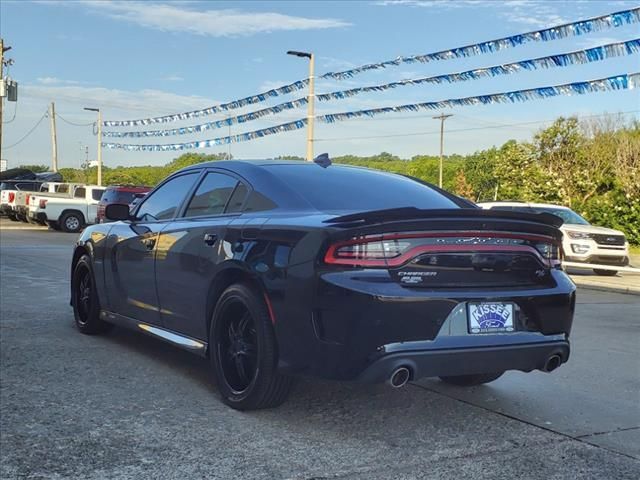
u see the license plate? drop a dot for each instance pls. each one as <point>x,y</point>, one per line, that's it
<point>490,317</point>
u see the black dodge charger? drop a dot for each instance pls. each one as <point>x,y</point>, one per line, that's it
<point>275,269</point>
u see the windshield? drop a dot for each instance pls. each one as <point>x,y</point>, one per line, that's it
<point>569,216</point>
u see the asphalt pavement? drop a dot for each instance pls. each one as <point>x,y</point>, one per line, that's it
<point>128,406</point>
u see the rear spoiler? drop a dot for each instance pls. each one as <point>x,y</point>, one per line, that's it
<point>408,213</point>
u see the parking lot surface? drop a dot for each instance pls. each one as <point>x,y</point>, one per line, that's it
<point>127,406</point>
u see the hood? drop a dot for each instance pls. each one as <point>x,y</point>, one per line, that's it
<point>590,229</point>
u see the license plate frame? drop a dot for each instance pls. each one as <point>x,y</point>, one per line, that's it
<point>491,317</point>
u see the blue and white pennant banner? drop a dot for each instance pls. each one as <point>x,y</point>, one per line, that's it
<point>222,108</point>
<point>581,27</point>
<point>247,117</point>
<point>577,57</point>
<point>618,82</point>
<point>553,61</point>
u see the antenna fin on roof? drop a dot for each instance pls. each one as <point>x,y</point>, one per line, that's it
<point>323,160</point>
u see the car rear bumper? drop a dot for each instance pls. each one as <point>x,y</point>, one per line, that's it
<point>465,361</point>
<point>39,217</point>
<point>357,327</point>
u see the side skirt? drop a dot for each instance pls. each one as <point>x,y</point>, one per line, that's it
<point>187,343</point>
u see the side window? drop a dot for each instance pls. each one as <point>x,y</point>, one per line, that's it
<point>80,192</point>
<point>257,202</point>
<point>237,199</point>
<point>97,194</point>
<point>211,195</point>
<point>163,203</point>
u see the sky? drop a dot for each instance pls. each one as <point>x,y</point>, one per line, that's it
<point>139,59</point>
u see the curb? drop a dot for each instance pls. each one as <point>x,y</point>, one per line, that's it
<point>607,288</point>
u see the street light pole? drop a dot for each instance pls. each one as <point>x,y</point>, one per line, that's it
<point>310,100</point>
<point>442,117</point>
<point>99,143</point>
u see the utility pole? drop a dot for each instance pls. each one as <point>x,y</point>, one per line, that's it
<point>442,117</point>
<point>54,138</point>
<point>99,143</point>
<point>2,50</point>
<point>310,100</point>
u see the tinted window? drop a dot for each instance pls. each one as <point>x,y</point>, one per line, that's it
<point>257,202</point>
<point>237,199</point>
<point>80,192</point>
<point>344,188</point>
<point>211,195</point>
<point>118,196</point>
<point>163,203</point>
<point>97,194</point>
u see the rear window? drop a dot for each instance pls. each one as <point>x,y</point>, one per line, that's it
<point>353,189</point>
<point>118,196</point>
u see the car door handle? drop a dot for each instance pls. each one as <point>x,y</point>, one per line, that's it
<point>149,243</point>
<point>210,239</point>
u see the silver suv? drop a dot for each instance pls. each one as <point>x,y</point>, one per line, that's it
<point>582,242</point>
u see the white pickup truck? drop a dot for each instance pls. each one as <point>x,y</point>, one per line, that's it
<point>64,212</point>
<point>19,207</point>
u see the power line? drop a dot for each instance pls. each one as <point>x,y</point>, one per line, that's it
<point>28,133</point>
<point>15,110</point>
<point>463,129</point>
<point>72,123</point>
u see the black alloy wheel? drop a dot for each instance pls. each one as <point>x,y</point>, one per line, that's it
<point>243,351</point>
<point>85,301</point>
<point>238,349</point>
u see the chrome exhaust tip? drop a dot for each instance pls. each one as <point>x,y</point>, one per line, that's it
<point>553,362</point>
<point>400,377</point>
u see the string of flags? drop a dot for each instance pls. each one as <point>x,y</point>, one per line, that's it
<point>617,82</point>
<point>581,27</point>
<point>222,108</point>
<point>211,125</point>
<point>577,57</point>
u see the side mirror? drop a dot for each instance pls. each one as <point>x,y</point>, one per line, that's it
<point>117,211</point>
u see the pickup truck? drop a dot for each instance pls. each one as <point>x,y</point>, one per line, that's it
<point>9,190</point>
<point>66,213</point>
<point>20,205</point>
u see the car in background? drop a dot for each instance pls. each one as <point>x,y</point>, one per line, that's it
<point>122,194</point>
<point>582,242</point>
<point>272,269</point>
<point>67,213</point>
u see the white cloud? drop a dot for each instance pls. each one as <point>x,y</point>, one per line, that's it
<point>173,78</point>
<point>115,102</point>
<point>173,17</point>
<point>532,13</point>
<point>56,81</point>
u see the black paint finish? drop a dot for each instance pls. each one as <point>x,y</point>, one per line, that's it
<point>331,320</point>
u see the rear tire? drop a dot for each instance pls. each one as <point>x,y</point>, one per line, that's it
<point>605,273</point>
<point>71,222</point>
<point>85,301</point>
<point>471,380</point>
<point>243,352</point>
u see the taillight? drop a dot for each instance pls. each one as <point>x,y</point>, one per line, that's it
<point>42,204</point>
<point>392,250</point>
<point>28,198</point>
<point>12,197</point>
